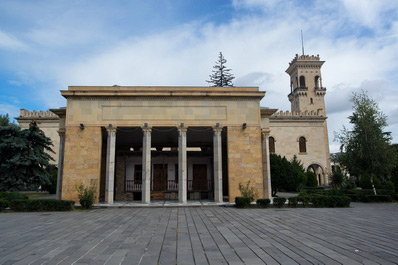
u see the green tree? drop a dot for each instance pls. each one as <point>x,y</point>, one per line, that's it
<point>221,76</point>
<point>311,179</point>
<point>366,148</point>
<point>23,158</point>
<point>5,121</point>
<point>336,178</point>
<point>286,175</point>
<point>301,178</point>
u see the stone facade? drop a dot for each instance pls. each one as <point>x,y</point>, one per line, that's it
<point>244,159</point>
<point>146,143</point>
<point>82,160</point>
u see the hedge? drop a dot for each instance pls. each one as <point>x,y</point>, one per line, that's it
<point>303,200</point>
<point>279,202</point>
<point>41,205</point>
<point>3,205</point>
<point>242,202</point>
<point>293,201</point>
<point>378,198</point>
<point>12,196</point>
<point>263,202</point>
<point>331,201</point>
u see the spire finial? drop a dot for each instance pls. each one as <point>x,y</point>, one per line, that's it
<point>302,41</point>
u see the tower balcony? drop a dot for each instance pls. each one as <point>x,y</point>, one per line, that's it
<point>320,88</point>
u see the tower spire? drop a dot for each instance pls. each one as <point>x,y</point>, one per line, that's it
<point>302,42</point>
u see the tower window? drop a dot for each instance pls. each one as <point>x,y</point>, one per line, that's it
<point>302,81</point>
<point>311,101</point>
<point>271,141</point>
<point>317,82</point>
<point>302,145</point>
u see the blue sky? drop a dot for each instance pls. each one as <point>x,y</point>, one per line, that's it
<point>47,45</point>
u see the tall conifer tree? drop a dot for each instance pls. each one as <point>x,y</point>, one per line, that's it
<point>221,76</point>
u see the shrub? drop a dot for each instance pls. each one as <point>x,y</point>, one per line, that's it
<point>349,183</point>
<point>384,192</point>
<point>377,182</point>
<point>263,202</point>
<point>330,201</point>
<point>12,196</point>
<point>279,202</point>
<point>18,205</point>
<point>41,205</point>
<point>311,179</point>
<point>395,197</point>
<point>343,201</point>
<point>378,198</point>
<point>50,205</point>
<point>336,178</point>
<point>304,200</point>
<point>52,186</point>
<point>87,196</point>
<point>242,202</point>
<point>364,182</point>
<point>3,205</point>
<point>293,201</point>
<point>248,191</point>
<point>390,185</point>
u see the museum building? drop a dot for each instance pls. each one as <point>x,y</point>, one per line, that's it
<point>184,143</point>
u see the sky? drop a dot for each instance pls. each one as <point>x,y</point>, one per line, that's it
<point>47,45</point>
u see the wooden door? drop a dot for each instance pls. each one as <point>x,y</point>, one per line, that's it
<point>159,177</point>
<point>199,177</point>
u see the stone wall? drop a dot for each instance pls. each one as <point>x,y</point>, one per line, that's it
<point>287,131</point>
<point>120,178</point>
<point>82,162</point>
<point>244,159</point>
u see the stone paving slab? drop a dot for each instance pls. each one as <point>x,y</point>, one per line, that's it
<point>362,234</point>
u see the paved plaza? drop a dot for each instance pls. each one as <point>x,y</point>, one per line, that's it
<point>362,234</point>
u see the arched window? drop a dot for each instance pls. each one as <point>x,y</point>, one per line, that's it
<point>317,83</point>
<point>311,101</point>
<point>302,81</point>
<point>271,141</point>
<point>302,145</point>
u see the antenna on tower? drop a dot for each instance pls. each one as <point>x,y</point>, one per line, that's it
<point>302,42</point>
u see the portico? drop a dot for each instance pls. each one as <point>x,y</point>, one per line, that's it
<point>170,166</point>
<point>164,143</point>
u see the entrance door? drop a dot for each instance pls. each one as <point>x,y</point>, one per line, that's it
<point>199,177</point>
<point>159,177</point>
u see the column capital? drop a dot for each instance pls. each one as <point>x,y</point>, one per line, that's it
<point>61,132</point>
<point>146,130</point>
<point>182,130</point>
<point>217,130</point>
<point>111,130</point>
<point>265,132</point>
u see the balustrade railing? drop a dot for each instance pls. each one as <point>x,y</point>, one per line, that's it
<point>132,185</point>
<point>172,185</point>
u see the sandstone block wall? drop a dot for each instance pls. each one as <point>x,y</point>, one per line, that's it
<point>82,162</point>
<point>244,159</point>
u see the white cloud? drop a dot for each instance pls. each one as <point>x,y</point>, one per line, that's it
<point>370,13</point>
<point>9,42</point>
<point>258,42</point>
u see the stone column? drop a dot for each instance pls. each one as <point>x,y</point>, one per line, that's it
<point>182,165</point>
<point>61,133</point>
<point>110,165</point>
<point>266,164</point>
<point>217,158</point>
<point>146,165</point>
